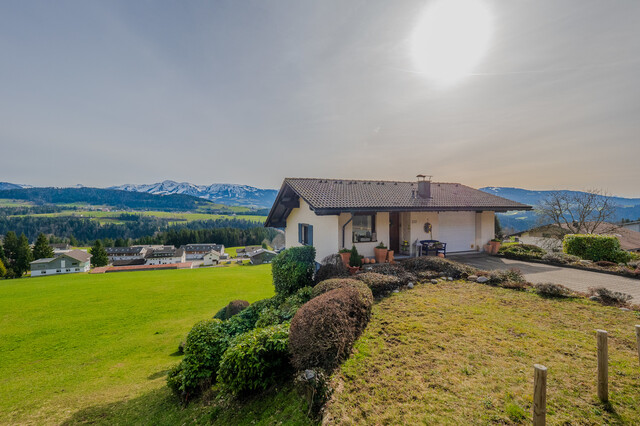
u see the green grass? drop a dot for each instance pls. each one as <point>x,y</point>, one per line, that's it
<point>461,353</point>
<point>6,202</point>
<point>75,343</point>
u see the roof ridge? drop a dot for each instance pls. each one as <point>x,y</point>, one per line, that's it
<point>370,180</point>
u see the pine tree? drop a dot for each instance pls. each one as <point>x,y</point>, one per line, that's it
<point>24,256</point>
<point>42,249</point>
<point>72,241</point>
<point>98,254</point>
<point>10,247</point>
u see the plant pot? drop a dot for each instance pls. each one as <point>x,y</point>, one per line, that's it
<point>390,256</point>
<point>381,254</point>
<point>487,248</point>
<point>345,258</point>
<point>495,246</point>
<point>353,269</point>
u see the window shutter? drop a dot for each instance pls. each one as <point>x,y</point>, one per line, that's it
<point>300,233</point>
<point>310,235</point>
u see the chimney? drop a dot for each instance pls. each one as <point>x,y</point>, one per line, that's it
<point>424,186</point>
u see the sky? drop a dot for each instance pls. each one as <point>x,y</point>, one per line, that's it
<point>105,93</point>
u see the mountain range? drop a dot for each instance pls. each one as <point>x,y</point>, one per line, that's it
<point>229,194</point>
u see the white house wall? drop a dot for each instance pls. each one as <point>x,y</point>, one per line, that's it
<point>485,229</point>
<point>325,230</point>
<point>365,249</point>
<point>415,227</point>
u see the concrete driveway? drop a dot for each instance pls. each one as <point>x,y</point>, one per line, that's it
<point>574,279</point>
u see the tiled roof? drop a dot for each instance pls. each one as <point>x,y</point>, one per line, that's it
<point>79,255</point>
<point>341,194</point>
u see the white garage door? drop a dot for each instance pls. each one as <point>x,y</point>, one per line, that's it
<point>458,230</point>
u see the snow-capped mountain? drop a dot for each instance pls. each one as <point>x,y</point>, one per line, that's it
<point>229,194</point>
<point>7,185</point>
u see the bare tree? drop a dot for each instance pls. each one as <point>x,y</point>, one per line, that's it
<point>587,212</point>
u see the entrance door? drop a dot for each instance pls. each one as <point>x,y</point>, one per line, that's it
<point>394,232</point>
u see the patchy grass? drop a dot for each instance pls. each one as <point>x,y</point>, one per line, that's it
<point>461,353</point>
<point>79,342</point>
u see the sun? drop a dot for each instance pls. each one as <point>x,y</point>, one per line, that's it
<point>450,38</point>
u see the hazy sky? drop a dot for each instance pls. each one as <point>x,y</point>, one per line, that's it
<point>107,92</point>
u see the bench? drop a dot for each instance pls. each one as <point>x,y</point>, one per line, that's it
<point>433,246</point>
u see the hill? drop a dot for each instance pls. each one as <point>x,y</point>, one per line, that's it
<point>230,194</point>
<point>109,197</point>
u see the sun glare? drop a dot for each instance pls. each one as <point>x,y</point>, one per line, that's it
<point>450,38</point>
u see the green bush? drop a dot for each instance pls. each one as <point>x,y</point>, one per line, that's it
<point>332,284</point>
<point>246,320</point>
<point>438,264</point>
<point>255,360</point>
<point>379,284</point>
<point>206,342</point>
<point>282,310</point>
<point>595,247</point>
<point>293,269</point>
<point>522,251</point>
<point>355,259</point>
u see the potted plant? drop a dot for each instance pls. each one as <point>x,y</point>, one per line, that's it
<point>355,260</point>
<point>495,245</point>
<point>345,254</point>
<point>380,252</point>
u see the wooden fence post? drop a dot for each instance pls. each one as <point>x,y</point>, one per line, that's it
<point>539,395</point>
<point>603,366</point>
<point>638,340</point>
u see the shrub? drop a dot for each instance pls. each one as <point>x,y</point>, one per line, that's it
<point>234,307</point>
<point>246,320</point>
<point>255,359</point>
<point>332,267</point>
<point>355,259</point>
<point>293,269</point>
<point>324,329</point>
<point>505,277</point>
<point>394,269</point>
<point>206,342</point>
<point>605,264</point>
<point>332,284</point>
<point>221,314</point>
<point>438,264</point>
<point>551,290</point>
<point>280,311</point>
<point>378,283</point>
<point>560,258</point>
<point>522,251</point>
<point>594,247</point>
<point>609,297</point>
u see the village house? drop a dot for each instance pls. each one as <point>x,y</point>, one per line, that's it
<point>260,256</point>
<point>126,253</point>
<point>211,258</point>
<point>198,251</point>
<point>165,255</point>
<point>66,263</point>
<point>332,214</point>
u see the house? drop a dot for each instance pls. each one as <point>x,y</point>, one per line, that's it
<point>244,251</point>
<point>65,263</point>
<point>632,226</point>
<point>198,251</point>
<point>165,255</point>
<point>331,214</point>
<point>260,256</point>
<point>126,253</point>
<point>211,258</point>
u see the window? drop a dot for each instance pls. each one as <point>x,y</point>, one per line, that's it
<point>364,228</point>
<point>305,234</point>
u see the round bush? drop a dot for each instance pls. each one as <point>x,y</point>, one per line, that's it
<point>332,284</point>
<point>293,269</point>
<point>256,359</point>
<point>378,283</point>
<point>324,329</point>
<point>438,264</point>
<point>234,307</point>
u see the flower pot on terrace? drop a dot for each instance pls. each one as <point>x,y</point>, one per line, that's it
<point>495,246</point>
<point>381,254</point>
<point>390,256</point>
<point>345,258</point>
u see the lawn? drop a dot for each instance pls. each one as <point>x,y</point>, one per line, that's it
<point>76,343</point>
<point>460,353</point>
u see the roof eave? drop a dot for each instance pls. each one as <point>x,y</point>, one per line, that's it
<point>498,209</point>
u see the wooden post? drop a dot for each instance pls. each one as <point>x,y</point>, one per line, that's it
<point>603,366</point>
<point>539,395</point>
<point>638,340</point>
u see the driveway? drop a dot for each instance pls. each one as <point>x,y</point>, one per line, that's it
<point>574,279</point>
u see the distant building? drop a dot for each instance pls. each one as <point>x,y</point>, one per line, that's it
<point>197,251</point>
<point>126,253</point>
<point>211,258</point>
<point>244,251</point>
<point>67,263</point>
<point>260,256</point>
<point>165,256</point>
<point>632,226</point>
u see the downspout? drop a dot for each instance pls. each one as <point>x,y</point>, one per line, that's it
<point>344,227</point>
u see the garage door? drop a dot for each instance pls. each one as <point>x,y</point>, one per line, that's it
<point>458,230</point>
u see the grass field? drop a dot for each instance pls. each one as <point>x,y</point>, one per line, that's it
<point>112,217</point>
<point>78,344</point>
<point>461,353</point>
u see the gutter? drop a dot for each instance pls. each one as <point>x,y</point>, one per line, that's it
<point>344,227</point>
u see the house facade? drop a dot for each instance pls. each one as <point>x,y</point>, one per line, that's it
<point>332,214</point>
<point>211,258</point>
<point>198,251</point>
<point>165,255</point>
<point>126,253</point>
<point>71,262</point>
<point>260,256</point>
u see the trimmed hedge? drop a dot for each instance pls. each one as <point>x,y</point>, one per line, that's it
<point>378,283</point>
<point>332,284</point>
<point>282,310</point>
<point>522,251</point>
<point>293,269</point>
<point>256,359</point>
<point>438,264</point>
<point>324,329</point>
<point>595,247</point>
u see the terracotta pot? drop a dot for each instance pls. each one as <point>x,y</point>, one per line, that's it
<point>345,258</point>
<point>390,256</point>
<point>353,269</point>
<point>372,261</point>
<point>365,260</point>
<point>487,248</point>
<point>495,246</point>
<point>381,254</point>
<point>441,255</point>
